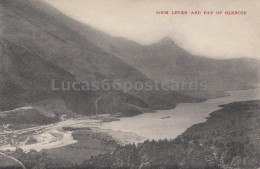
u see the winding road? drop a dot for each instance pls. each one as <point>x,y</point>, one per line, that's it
<point>14,159</point>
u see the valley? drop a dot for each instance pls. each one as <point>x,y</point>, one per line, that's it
<point>87,139</point>
<point>50,118</point>
<point>146,126</point>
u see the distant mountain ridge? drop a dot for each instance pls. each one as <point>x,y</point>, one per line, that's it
<point>38,46</point>
<point>165,60</point>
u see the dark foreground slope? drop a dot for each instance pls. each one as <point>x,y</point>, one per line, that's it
<point>229,139</point>
<point>25,79</point>
<point>37,47</point>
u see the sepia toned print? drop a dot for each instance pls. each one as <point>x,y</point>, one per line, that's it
<point>125,84</point>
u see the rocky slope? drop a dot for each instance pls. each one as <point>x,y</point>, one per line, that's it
<point>37,46</point>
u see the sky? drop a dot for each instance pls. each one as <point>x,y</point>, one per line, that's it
<point>216,36</point>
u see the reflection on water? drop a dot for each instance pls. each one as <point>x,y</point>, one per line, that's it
<point>170,123</point>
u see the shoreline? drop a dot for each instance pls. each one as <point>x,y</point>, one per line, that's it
<point>61,134</point>
<point>124,131</point>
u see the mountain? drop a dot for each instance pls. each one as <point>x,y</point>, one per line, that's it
<point>166,61</point>
<point>38,48</point>
<point>25,76</point>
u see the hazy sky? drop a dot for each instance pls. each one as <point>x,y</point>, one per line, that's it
<point>218,36</point>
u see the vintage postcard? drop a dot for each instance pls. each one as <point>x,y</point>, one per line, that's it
<point>129,84</point>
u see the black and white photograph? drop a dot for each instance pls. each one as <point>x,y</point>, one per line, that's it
<point>129,84</point>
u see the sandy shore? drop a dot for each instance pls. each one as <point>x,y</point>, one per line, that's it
<point>54,136</point>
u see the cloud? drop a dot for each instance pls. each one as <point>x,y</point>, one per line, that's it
<point>217,36</point>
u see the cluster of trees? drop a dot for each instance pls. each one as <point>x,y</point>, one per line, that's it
<point>209,145</point>
<point>228,140</point>
<point>173,154</point>
<point>40,160</point>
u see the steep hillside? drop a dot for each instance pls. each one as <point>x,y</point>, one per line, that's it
<point>26,80</point>
<point>166,61</point>
<point>25,77</point>
<point>37,46</point>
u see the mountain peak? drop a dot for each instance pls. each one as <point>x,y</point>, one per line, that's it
<point>166,41</point>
